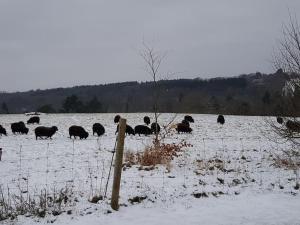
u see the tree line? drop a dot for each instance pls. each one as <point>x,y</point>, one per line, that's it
<point>251,94</point>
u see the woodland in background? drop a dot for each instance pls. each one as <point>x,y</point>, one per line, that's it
<point>252,94</point>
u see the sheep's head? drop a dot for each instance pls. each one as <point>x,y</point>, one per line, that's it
<point>117,118</point>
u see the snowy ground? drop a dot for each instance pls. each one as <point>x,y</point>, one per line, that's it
<point>248,191</point>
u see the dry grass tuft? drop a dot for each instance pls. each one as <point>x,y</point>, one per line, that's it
<point>287,163</point>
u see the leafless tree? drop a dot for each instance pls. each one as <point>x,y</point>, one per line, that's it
<point>288,55</point>
<point>153,60</point>
<point>287,59</point>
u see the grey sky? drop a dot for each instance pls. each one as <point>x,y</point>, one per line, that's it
<point>59,43</point>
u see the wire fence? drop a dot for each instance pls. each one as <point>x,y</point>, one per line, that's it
<point>213,165</point>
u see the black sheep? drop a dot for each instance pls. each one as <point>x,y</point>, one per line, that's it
<point>33,120</point>
<point>129,130</point>
<point>142,129</point>
<point>185,122</point>
<point>147,120</point>
<point>19,127</point>
<point>279,120</point>
<point>183,128</point>
<point>293,126</point>
<point>98,129</point>
<point>117,118</point>
<point>155,128</point>
<point>2,131</point>
<point>47,132</point>
<point>189,118</point>
<point>221,119</point>
<point>77,131</point>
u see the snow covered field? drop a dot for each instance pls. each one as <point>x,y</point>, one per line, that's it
<point>226,177</point>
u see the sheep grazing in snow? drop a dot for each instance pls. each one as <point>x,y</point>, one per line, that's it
<point>19,127</point>
<point>221,119</point>
<point>183,128</point>
<point>279,120</point>
<point>189,118</point>
<point>117,119</point>
<point>77,131</point>
<point>155,128</point>
<point>129,130</point>
<point>46,132</point>
<point>185,122</point>
<point>147,120</point>
<point>293,126</point>
<point>33,120</point>
<point>142,129</point>
<point>98,129</point>
<point>2,131</point>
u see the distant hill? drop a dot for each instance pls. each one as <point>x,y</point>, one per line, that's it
<point>251,94</point>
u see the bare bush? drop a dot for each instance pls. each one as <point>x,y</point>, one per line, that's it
<point>157,153</point>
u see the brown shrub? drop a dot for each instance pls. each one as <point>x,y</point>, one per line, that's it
<point>157,153</point>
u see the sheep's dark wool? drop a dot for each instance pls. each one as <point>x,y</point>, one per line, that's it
<point>19,128</point>
<point>33,120</point>
<point>155,128</point>
<point>183,128</point>
<point>221,119</point>
<point>185,122</point>
<point>293,126</point>
<point>45,132</point>
<point>279,120</point>
<point>129,130</point>
<point>189,118</point>
<point>78,131</point>
<point>2,131</point>
<point>142,129</point>
<point>98,129</point>
<point>147,120</point>
<point>117,119</point>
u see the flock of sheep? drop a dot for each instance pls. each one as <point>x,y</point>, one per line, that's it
<point>43,132</point>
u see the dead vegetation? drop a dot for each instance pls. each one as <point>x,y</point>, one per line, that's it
<point>35,204</point>
<point>210,165</point>
<point>286,163</point>
<point>156,154</point>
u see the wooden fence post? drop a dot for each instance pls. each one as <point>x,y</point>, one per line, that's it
<point>118,165</point>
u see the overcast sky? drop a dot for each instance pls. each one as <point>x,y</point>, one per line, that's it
<point>60,43</point>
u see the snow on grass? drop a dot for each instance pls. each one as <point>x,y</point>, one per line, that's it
<point>248,208</point>
<point>230,164</point>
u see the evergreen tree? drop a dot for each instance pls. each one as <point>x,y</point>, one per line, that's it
<point>93,106</point>
<point>48,108</point>
<point>266,99</point>
<point>4,108</point>
<point>72,104</point>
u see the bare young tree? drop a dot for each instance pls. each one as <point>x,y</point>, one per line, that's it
<point>153,60</point>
